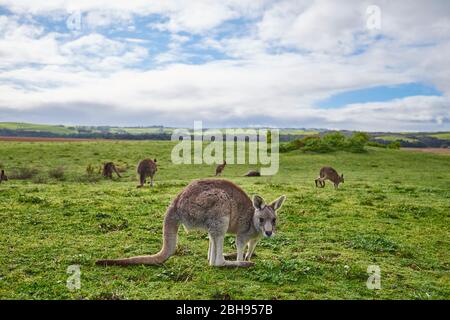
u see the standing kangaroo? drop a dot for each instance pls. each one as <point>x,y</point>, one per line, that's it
<point>328,173</point>
<point>219,207</point>
<point>3,176</point>
<point>108,169</point>
<point>146,168</point>
<point>220,168</point>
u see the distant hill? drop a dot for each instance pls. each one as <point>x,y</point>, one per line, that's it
<point>414,139</point>
<point>16,129</point>
<point>30,127</point>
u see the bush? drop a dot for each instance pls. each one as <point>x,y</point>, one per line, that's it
<point>292,145</point>
<point>57,173</point>
<point>394,145</point>
<point>357,142</point>
<point>376,144</point>
<point>361,137</point>
<point>330,142</point>
<point>335,140</point>
<point>316,144</point>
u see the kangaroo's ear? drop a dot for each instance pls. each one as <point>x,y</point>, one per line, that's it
<point>258,202</point>
<point>342,176</point>
<point>154,160</point>
<point>278,203</point>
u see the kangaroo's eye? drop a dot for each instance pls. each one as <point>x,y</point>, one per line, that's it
<point>261,220</point>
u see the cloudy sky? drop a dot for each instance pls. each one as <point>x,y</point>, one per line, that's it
<point>330,64</point>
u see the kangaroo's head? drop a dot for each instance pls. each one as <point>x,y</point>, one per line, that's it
<point>265,217</point>
<point>3,176</point>
<point>224,162</point>
<point>341,178</point>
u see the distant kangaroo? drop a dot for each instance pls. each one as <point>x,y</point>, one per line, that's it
<point>108,169</point>
<point>328,173</point>
<point>218,207</point>
<point>252,173</point>
<point>3,176</point>
<point>220,168</point>
<point>146,168</point>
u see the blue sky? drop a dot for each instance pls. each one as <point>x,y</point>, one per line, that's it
<point>378,94</point>
<point>247,63</point>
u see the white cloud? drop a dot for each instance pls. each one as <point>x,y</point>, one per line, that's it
<point>95,51</point>
<point>408,114</point>
<point>26,43</point>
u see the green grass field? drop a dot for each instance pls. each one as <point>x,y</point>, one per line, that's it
<point>443,136</point>
<point>392,211</point>
<point>396,138</point>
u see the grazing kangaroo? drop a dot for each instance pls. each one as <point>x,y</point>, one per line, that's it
<point>3,176</point>
<point>252,173</point>
<point>328,173</point>
<point>219,207</point>
<point>108,169</point>
<point>146,168</point>
<point>220,168</point>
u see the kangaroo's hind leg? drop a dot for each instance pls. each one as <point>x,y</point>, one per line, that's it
<point>211,252</point>
<point>151,181</point>
<point>141,180</point>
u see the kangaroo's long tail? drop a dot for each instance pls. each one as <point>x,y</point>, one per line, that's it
<point>170,230</point>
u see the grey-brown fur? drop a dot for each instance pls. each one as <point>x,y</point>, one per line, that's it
<point>218,207</point>
<point>146,168</point>
<point>252,173</point>
<point>108,169</point>
<point>3,176</point>
<point>328,173</point>
<point>220,168</point>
